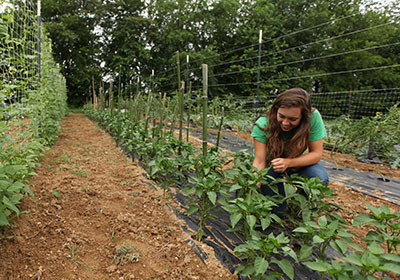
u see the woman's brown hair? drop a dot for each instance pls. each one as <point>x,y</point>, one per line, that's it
<point>295,97</point>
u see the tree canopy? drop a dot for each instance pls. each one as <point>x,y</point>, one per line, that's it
<point>320,45</point>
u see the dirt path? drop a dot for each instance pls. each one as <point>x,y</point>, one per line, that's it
<point>95,216</point>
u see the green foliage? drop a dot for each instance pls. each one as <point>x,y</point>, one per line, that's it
<point>376,135</point>
<point>305,44</point>
<point>386,224</point>
<point>31,105</point>
<point>205,187</point>
<point>261,252</point>
<point>312,224</point>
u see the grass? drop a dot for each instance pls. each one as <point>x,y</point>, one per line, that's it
<point>75,110</point>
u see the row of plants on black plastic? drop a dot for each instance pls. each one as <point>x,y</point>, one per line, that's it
<point>312,225</point>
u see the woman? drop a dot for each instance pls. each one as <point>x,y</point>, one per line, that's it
<point>282,136</point>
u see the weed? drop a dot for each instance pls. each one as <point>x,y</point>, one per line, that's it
<point>167,227</point>
<point>73,254</point>
<point>84,189</point>
<point>113,238</point>
<point>134,194</point>
<point>126,253</point>
<point>63,159</point>
<point>81,173</point>
<point>141,236</point>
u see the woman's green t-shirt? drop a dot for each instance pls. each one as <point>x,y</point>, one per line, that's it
<point>317,129</point>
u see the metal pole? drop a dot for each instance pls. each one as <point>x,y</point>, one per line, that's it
<point>179,69</point>
<point>258,71</point>
<point>39,59</point>
<point>152,80</point>
<point>205,89</point>
<point>187,73</point>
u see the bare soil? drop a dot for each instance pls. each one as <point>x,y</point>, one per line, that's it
<point>95,215</point>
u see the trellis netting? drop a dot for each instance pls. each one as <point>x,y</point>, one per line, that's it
<point>30,81</point>
<point>355,104</point>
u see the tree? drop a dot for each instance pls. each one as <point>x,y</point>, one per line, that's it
<point>72,28</point>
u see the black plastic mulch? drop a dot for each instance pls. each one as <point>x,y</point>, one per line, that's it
<point>223,241</point>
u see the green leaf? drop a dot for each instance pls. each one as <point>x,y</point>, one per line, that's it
<point>212,196</point>
<point>354,259</point>
<point>4,184</point>
<point>260,265</point>
<point>286,267</point>
<point>239,269</point>
<point>3,220</point>
<point>370,260</point>
<point>235,218</point>
<point>375,249</point>
<point>10,205</point>
<point>305,252</point>
<point>391,267</point>
<point>300,229</point>
<point>192,209</point>
<point>339,246</point>
<point>322,221</point>
<point>152,163</point>
<point>235,188</point>
<point>265,223</point>
<point>362,219</point>
<point>251,220</point>
<point>189,190</point>
<point>318,266</point>
<point>376,211</point>
<point>356,247</point>
<point>317,239</point>
<point>154,171</point>
<point>249,270</point>
<point>12,169</point>
<point>16,187</point>
<point>391,257</point>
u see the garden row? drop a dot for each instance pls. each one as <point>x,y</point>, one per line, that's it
<point>202,174</point>
<point>32,103</point>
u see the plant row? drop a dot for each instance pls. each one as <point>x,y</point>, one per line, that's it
<point>32,103</point>
<point>310,228</point>
<point>373,137</point>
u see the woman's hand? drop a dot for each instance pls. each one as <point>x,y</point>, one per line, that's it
<point>280,164</point>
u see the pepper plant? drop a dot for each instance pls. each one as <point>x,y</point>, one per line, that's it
<point>386,227</point>
<point>260,253</point>
<point>204,187</point>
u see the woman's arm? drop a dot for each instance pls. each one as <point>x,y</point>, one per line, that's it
<point>260,155</point>
<point>312,157</point>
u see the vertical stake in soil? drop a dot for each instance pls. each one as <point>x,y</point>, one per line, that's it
<point>188,114</point>
<point>110,96</point>
<point>258,72</point>
<point>94,93</point>
<point>119,90</point>
<point>162,114</point>
<point>205,88</point>
<point>39,58</point>
<point>178,64</point>
<point>220,127</point>
<point>181,110</point>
